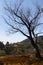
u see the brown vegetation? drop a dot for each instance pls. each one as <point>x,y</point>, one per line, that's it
<point>20,60</point>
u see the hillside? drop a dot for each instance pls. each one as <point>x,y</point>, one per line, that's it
<point>21,48</point>
<point>27,41</point>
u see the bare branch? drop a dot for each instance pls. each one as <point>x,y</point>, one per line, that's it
<point>26,20</point>
<point>16,28</point>
<point>13,19</point>
<point>13,13</point>
<point>37,14</point>
<point>19,6</point>
<point>37,25</point>
<point>38,33</point>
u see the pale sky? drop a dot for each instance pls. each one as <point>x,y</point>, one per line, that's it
<point>3,27</point>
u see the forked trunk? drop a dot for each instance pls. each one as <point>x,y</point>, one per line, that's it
<point>37,52</point>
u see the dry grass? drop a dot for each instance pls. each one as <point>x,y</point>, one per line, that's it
<point>20,60</point>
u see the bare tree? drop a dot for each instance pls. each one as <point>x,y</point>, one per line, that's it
<point>21,22</point>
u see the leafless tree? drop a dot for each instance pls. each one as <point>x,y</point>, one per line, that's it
<point>21,22</point>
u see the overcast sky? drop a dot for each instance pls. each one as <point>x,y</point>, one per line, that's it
<point>3,27</point>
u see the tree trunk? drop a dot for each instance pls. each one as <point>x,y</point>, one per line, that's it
<point>35,46</point>
<point>37,52</point>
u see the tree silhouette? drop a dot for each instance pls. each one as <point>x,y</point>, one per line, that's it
<point>7,44</point>
<point>21,22</point>
<point>1,45</point>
